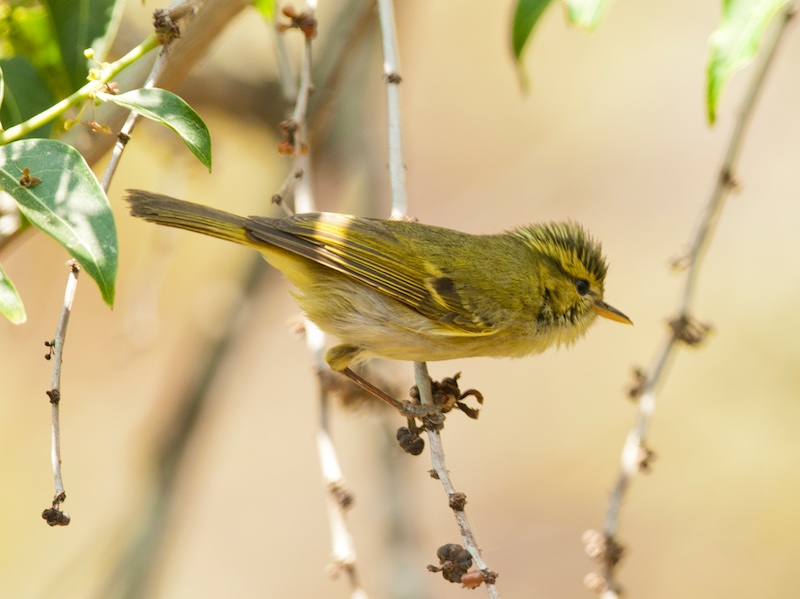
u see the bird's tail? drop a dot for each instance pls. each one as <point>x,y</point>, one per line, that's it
<point>164,210</point>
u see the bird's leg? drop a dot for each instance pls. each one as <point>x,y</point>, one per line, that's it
<point>406,408</point>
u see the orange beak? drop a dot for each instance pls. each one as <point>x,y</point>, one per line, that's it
<point>603,309</point>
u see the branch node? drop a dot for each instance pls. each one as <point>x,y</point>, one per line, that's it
<point>54,395</point>
<point>457,502</point>
<point>689,330</point>
<point>342,495</point>
<point>73,266</point>
<point>638,385</point>
<point>288,145</point>
<point>644,458</point>
<point>728,180</point>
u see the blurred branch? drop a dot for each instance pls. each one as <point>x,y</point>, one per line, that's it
<point>683,329</point>
<point>138,566</point>
<point>339,499</point>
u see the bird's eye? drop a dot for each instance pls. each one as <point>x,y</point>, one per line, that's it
<point>582,285</point>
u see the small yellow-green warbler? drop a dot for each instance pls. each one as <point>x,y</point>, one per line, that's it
<point>408,291</point>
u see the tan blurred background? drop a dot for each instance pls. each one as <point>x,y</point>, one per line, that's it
<point>612,135</point>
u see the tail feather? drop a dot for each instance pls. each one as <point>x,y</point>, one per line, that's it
<point>164,210</point>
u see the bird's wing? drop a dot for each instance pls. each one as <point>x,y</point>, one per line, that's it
<point>349,245</point>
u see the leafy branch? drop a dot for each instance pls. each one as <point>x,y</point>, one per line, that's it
<point>99,77</point>
<point>61,195</point>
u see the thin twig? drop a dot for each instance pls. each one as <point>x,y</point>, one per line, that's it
<point>294,194</point>
<point>183,9</point>
<point>457,500</point>
<point>339,501</point>
<point>391,71</point>
<point>303,197</point>
<point>53,515</point>
<point>683,328</point>
<point>397,177</point>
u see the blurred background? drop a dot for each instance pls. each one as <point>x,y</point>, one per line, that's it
<point>611,134</point>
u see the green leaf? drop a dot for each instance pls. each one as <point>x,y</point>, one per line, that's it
<point>67,203</point>
<point>266,8</point>
<point>30,34</point>
<point>82,24</point>
<point>10,302</point>
<point>736,42</point>
<point>25,95</point>
<point>586,14</point>
<point>526,15</point>
<point>167,108</point>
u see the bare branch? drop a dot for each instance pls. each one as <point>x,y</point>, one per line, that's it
<point>339,502</point>
<point>53,515</point>
<point>298,185</point>
<point>397,176</point>
<point>457,500</point>
<point>391,71</point>
<point>683,328</point>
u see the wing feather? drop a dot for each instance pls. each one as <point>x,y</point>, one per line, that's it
<point>349,245</point>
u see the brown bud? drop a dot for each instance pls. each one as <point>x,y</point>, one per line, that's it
<point>410,441</point>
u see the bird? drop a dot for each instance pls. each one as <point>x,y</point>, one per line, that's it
<point>403,290</point>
